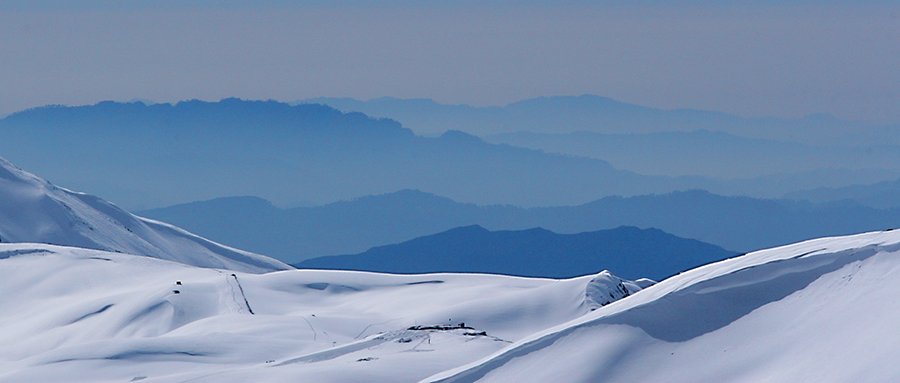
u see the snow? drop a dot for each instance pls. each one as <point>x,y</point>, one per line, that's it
<point>606,288</point>
<point>78,306</point>
<point>34,210</point>
<point>823,310</point>
<point>100,316</point>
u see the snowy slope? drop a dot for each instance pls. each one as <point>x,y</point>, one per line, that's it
<point>34,210</point>
<point>88,315</point>
<point>824,310</point>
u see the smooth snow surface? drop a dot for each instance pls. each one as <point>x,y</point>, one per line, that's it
<point>825,310</point>
<point>34,210</point>
<point>69,314</point>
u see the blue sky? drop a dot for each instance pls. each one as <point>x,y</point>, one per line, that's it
<point>762,59</point>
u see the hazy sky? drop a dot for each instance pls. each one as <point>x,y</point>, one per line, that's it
<point>768,58</point>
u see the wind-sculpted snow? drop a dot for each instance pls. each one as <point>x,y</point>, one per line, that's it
<point>606,288</point>
<point>823,310</point>
<point>70,314</point>
<point>34,210</point>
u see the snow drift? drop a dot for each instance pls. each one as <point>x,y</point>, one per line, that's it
<point>34,210</point>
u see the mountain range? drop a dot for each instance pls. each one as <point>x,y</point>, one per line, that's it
<point>306,154</point>
<point>626,251</point>
<point>717,154</point>
<point>738,224</point>
<point>34,210</point>
<point>883,195</point>
<point>193,150</point>
<point>592,113</point>
<point>762,157</point>
<point>109,296</point>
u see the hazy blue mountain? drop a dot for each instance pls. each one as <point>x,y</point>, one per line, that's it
<point>163,154</point>
<point>337,228</point>
<point>563,114</point>
<point>714,154</point>
<point>626,251</point>
<point>776,186</point>
<point>349,227</point>
<point>879,195</point>
<point>736,223</point>
<point>764,157</point>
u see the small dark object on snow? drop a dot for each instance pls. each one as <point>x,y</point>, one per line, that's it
<point>474,333</point>
<point>440,327</point>
<point>176,291</point>
<point>178,283</point>
<point>366,359</point>
<point>404,340</point>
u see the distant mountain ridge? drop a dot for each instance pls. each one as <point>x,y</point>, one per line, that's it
<point>562,114</point>
<point>712,153</point>
<point>764,157</point>
<point>167,153</point>
<point>349,227</point>
<point>163,154</point>
<point>884,195</point>
<point>626,251</point>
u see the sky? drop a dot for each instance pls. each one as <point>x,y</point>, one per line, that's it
<point>786,59</point>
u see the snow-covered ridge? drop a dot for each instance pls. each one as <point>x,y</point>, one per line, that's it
<point>34,210</point>
<point>101,316</point>
<point>605,288</point>
<point>823,310</point>
<point>820,310</point>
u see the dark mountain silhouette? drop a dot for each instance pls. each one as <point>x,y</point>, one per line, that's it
<point>166,153</point>
<point>626,251</point>
<point>735,223</point>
